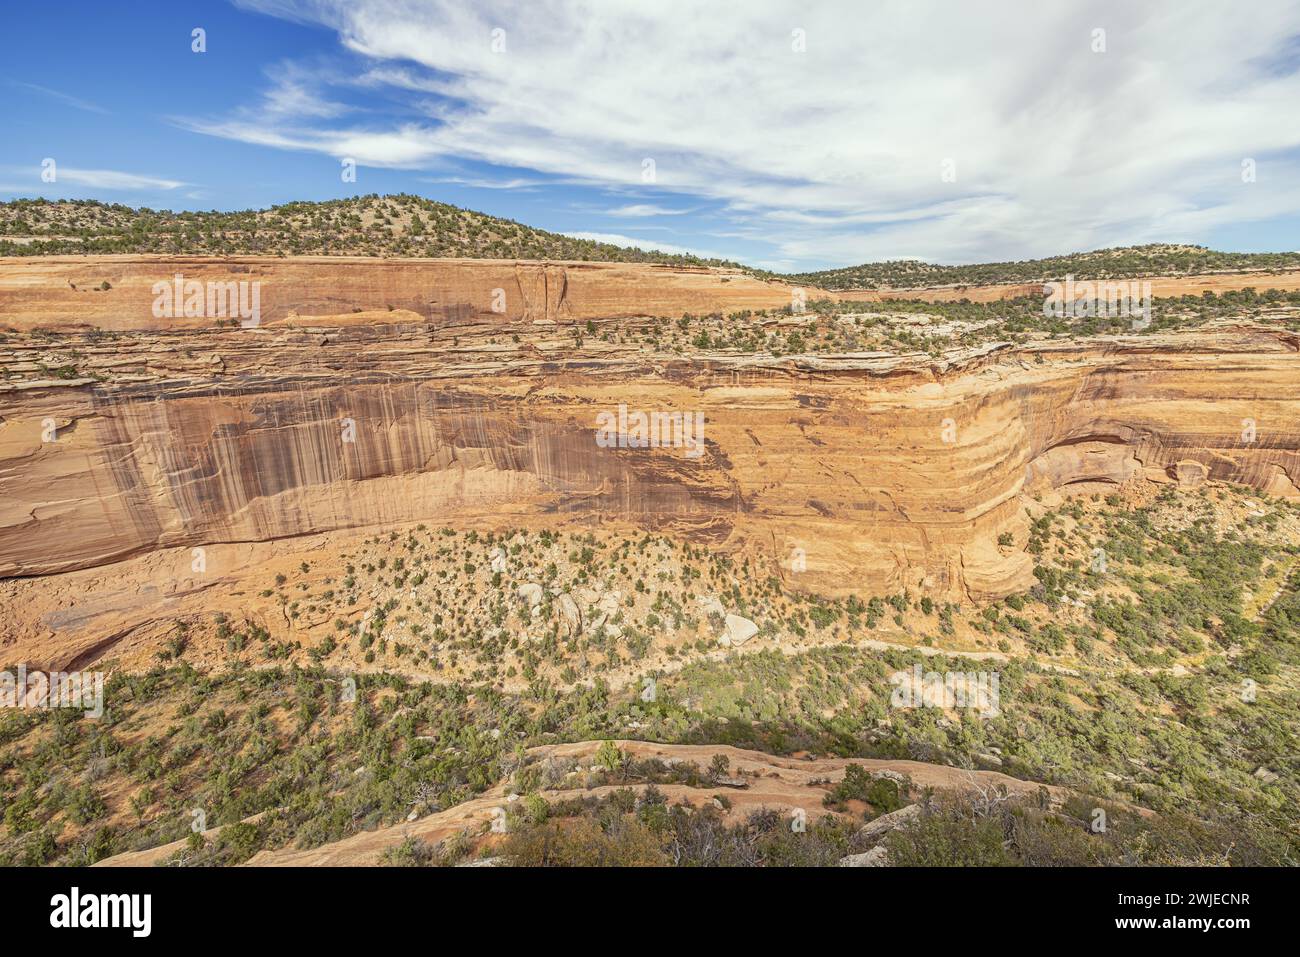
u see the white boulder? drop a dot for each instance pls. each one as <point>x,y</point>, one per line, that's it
<point>738,630</point>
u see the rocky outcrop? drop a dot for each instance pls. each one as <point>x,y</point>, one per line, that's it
<point>853,473</point>
<point>775,783</point>
<point>875,829</point>
<point>876,857</point>
<point>737,630</point>
<point>117,292</point>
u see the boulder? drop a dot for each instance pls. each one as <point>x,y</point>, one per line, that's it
<point>530,593</point>
<point>887,822</point>
<point>876,857</point>
<point>570,615</point>
<point>738,630</point>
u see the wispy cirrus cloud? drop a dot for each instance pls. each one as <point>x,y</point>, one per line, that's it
<point>835,133</point>
<point>636,210</point>
<point>111,179</point>
<point>64,98</point>
<point>115,179</point>
<point>478,182</point>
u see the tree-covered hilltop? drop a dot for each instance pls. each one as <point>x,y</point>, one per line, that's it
<point>1125,262</point>
<point>400,225</point>
<point>406,225</point>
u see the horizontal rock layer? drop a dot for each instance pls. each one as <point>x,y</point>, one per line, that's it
<point>118,292</point>
<point>854,473</point>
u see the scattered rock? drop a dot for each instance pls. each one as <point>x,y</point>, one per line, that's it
<point>895,776</point>
<point>730,783</point>
<point>739,630</point>
<point>887,822</point>
<point>876,857</point>
<point>609,603</point>
<point>570,615</point>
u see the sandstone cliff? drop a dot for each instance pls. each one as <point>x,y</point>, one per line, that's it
<point>904,470</point>
<point>875,472</point>
<point>116,292</point>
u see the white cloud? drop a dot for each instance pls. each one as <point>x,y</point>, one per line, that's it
<point>91,178</point>
<point>291,95</point>
<point>646,209</point>
<point>480,183</point>
<point>114,179</point>
<point>619,239</point>
<point>834,155</point>
<point>73,101</point>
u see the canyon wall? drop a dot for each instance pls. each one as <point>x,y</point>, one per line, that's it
<point>885,472</point>
<point>117,292</point>
<point>376,394</point>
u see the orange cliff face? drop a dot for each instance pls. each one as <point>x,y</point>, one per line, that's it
<point>120,293</point>
<point>888,472</point>
<point>123,451</point>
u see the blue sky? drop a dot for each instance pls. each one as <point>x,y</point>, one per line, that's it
<point>787,135</point>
